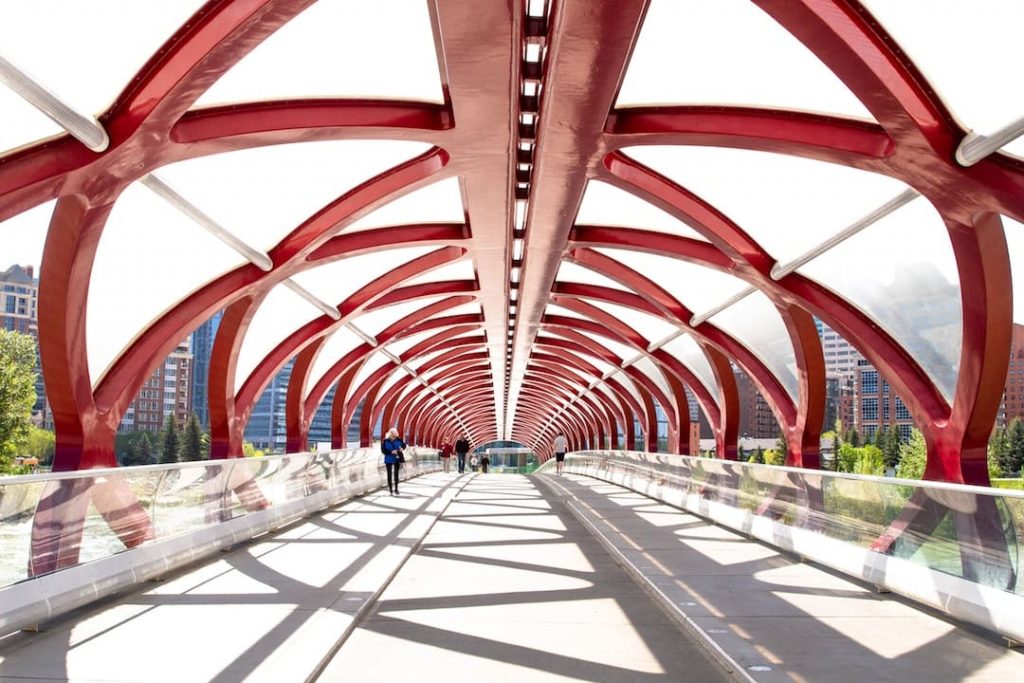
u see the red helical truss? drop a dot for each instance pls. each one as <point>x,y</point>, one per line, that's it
<point>516,369</point>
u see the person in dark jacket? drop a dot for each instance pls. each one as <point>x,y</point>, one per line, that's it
<point>392,447</point>
<point>461,449</point>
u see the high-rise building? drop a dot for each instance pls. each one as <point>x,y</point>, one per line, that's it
<point>1013,393</point>
<point>757,420</point>
<point>266,428</point>
<point>202,348</point>
<point>167,389</point>
<point>19,311</point>
<point>877,405</point>
<point>840,356</point>
<point>19,298</point>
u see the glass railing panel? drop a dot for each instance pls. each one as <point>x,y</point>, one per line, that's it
<point>971,532</point>
<point>53,521</point>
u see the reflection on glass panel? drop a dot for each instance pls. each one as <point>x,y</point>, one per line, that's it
<point>459,270</point>
<point>378,320</point>
<point>334,349</point>
<point>84,51</point>
<point>788,204</point>
<point>570,272</point>
<point>647,366</point>
<point>23,123</point>
<point>264,193</point>
<point>605,204</point>
<point>133,281</point>
<point>902,273</point>
<point>728,52</point>
<point>336,281</point>
<point>280,314</point>
<point>336,48</point>
<point>439,202</point>
<point>972,79</point>
<point>689,353</point>
<point>1014,232</point>
<point>755,322</point>
<point>859,511</point>
<point>24,235</point>
<point>696,287</point>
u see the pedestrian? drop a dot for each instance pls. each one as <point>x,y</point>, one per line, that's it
<point>446,455</point>
<point>461,449</point>
<point>392,447</point>
<point>485,460</point>
<point>560,446</point>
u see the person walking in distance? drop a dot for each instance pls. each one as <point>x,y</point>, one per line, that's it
<point>446,455</point>
<point>560,446</point>
<point>461,449</point>
<point>392,447</point>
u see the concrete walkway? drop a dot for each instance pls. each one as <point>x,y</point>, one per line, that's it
<point>508,586</point>
<point>505,586</point>
<point>777,618</point>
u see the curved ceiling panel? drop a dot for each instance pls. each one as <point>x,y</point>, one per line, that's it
<point>755,322</point>
<point>605,204</point>
<point>336,48</point>
<point>789,205</point>
<point>264,193</point>
<point>337,281</point>
<point>439,202</point>
<point>334,349</point>
<point>728,52</point>
<point>696,287</point>
<point>85,52</point>
<point>972,79</point>
<point>906,279</point>
<point>150,257</point>
<point>279,315</point>
<point>1014,232</point>
<point>689,353</point>
<point>24,236</point>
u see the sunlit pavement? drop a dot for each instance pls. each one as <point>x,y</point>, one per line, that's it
<point>778,618</point>
<point>507,586</point>
<point>272,610</point>
<point>501,577</point>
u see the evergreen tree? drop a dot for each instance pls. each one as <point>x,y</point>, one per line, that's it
<point>17,394</point>
<point>1015,454</point>
<point>145,449</point>
<point>781,449</point>
<point>171,440</point>
<point>999,450</point>
<point>192,444</point>
<point>913,457</point>
<point>758,456</point>
<point>130,454</point>
<point>891,446</point>
<point>854,438</point>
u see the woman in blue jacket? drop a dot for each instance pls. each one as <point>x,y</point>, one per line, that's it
<point>392,447</point>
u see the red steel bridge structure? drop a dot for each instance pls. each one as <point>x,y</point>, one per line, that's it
<point>529,124</point>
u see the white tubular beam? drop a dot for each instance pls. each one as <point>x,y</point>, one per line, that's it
<point>85,129</point>
<point>975,147</point>
<point>780,270</point>
<point>703,317</point>
<point>313,299</point>
<point>368,338</point>
<point>168,193</point>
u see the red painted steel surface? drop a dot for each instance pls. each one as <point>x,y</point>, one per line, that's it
<point>534,362</point>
